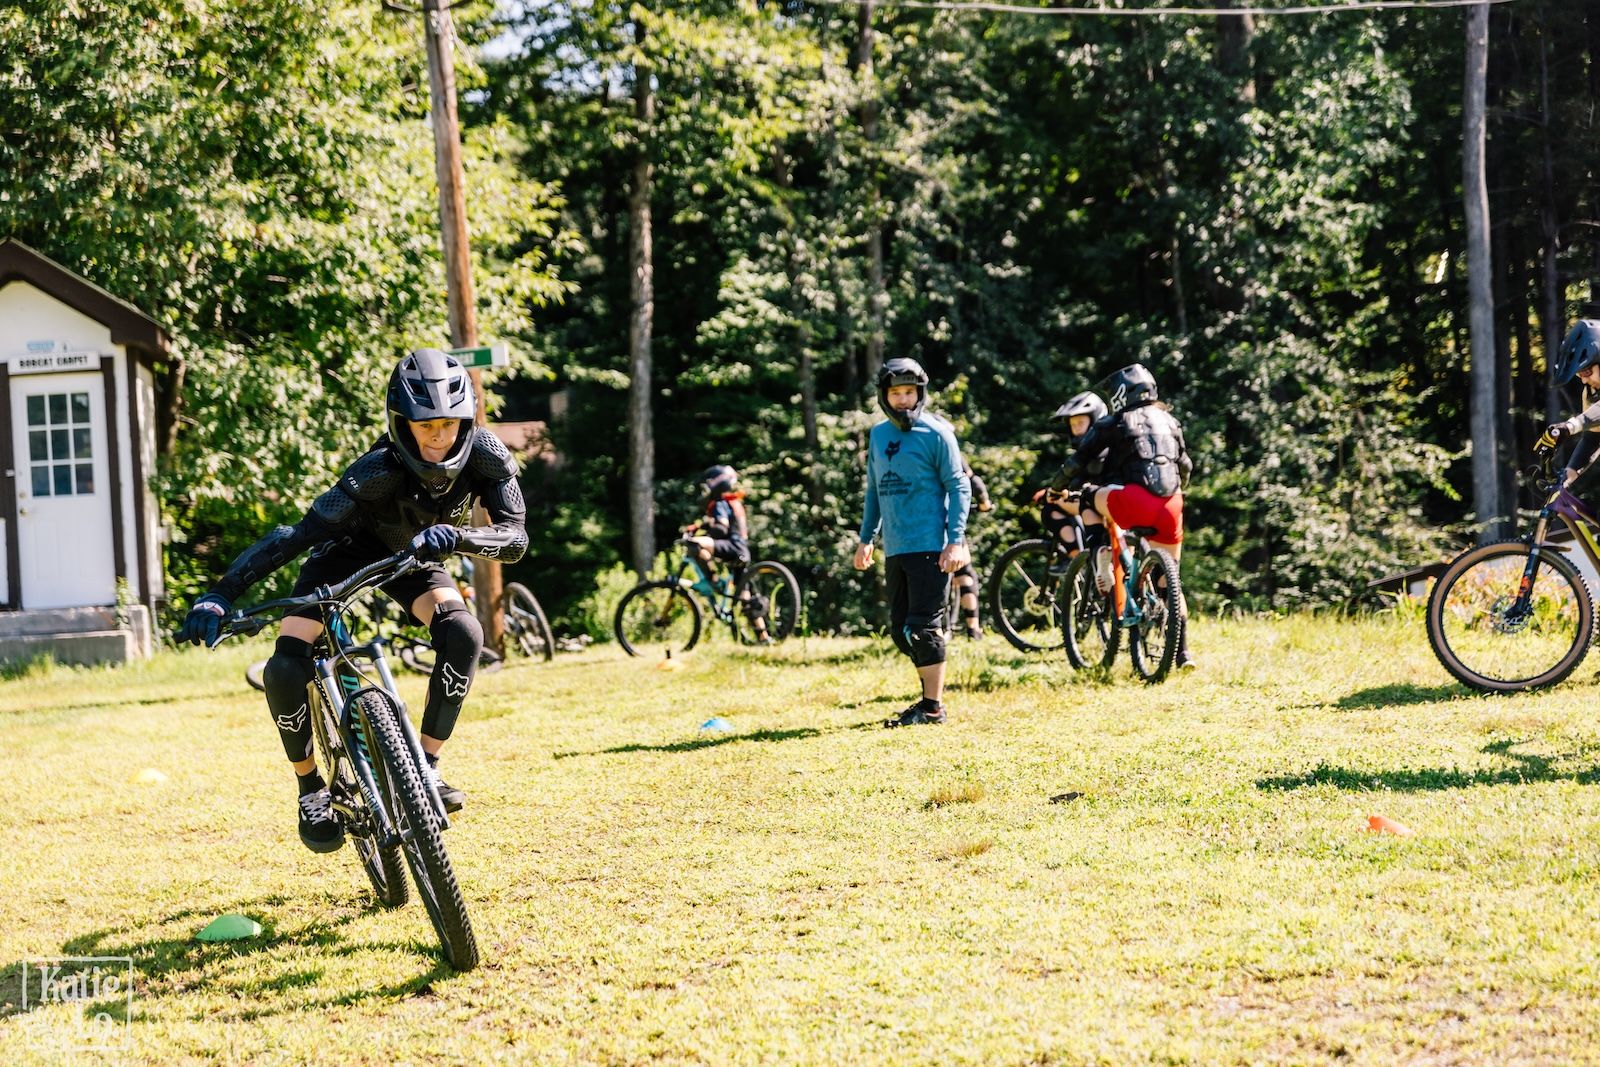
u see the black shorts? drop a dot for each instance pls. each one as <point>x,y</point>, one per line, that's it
<point>729,551</point>
<point>334,561</point>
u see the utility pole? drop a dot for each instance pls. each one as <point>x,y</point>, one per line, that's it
<point>439,30</point>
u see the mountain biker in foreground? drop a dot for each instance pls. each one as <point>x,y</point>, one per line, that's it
<point>412,491</point>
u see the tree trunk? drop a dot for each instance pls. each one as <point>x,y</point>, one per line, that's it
<point>1234,36</point>
<point>800,312</point>
<point>1480,285</point>
<point>877,300</point>
<point>1552,311</point>
<point>641,292</point>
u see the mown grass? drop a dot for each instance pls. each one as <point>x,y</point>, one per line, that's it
<point>813,888</point>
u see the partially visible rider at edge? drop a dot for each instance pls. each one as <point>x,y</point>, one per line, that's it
<point>1080,412</point>
<point>966,579</point>
<point>1140,449</point>
<point>1578,357</point>
<point>723,533</point>
<point>412,491</point>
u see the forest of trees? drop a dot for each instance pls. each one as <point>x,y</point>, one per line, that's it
<point>703,226</point>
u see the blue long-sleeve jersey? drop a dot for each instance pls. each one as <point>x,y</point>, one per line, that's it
<point>917,489</point>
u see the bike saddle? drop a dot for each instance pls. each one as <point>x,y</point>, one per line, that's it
<point>1142,531</point>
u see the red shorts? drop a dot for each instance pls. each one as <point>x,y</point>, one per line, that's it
<point>1134,505</point>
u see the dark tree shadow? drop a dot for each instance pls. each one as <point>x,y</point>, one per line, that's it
<point>1528,769</point>
<point>165,963</point>
<point>698,743</point>
<point>1401,695</point>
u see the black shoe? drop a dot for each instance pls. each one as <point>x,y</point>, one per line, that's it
<point>320,828</point>
<point>924,712</point>
<point>975,633</point>
<point>452,797</point>
<point>1059,562</point>
<point>1186,661</point>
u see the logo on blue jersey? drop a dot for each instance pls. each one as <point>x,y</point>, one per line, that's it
<point>891,449</point>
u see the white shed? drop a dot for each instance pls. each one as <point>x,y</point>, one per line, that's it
<point>82,387</point>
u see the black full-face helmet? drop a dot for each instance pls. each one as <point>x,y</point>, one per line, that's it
<point>1085,403</point>
<point>717,480</point>
<point>426,385</point>
<point>902,371</point>
<point>1579,351</point>
<point>1129,387</point>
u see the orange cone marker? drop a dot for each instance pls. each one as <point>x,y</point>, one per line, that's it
<point>1382,824</point>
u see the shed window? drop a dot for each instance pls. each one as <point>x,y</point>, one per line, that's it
<point>60,459</point>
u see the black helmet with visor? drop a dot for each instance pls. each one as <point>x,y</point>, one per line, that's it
<point>1130,387</point>
<point>902,371</point>
<point>425,386</point>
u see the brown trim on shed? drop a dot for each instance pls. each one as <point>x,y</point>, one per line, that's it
<point>108,371</point>
<point>140,538</point>
<point>8,501</point>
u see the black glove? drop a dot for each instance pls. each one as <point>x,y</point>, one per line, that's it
<point>203,624</point>
<point>1551,438</point>
<point>436,542</point>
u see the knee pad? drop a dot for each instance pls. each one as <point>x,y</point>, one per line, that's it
<point>454,628</point>
<point>1056,521</point>
<point>285,678</point>
<point>925,641</point>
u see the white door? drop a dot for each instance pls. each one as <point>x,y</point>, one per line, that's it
<point>63,491</point>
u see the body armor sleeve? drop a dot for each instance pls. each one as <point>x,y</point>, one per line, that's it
<point>1088,461</point>
<point>279,547</point>
<point>506,536</point>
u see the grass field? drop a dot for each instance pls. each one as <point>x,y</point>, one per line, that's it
<point>812,888</point>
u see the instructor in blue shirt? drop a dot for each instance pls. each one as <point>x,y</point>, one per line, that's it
<point>918,493</point>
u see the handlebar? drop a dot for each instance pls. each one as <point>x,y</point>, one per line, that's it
<point>252,620</point>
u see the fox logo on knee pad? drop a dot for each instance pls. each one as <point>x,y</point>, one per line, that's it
<point>453,682</point>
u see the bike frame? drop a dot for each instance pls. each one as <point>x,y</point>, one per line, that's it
<point>1123,574</point>
<point>721,602</point>
<point>1579,519</point>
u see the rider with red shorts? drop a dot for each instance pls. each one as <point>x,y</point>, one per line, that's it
<point>1137,456</point>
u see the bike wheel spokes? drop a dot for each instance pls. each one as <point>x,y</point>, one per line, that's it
<point>766,603</point>
<point>1490,636</point>
<point>1088,619</point>
<point>411,809</point>
<point>1024,598</point>
<point>527,629</point>
<point>657,615</point>
<point>385,869</point>
<point>1159,602</point>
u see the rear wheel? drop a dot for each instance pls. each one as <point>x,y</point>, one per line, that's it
<point>1159,599</point>
<point>1023,596</point>
<point>411,809</point>
<point>766,600</point>
<point>657,614</point>
<point>1493,638</point>
<point>1088,617</point>
<point>527,629</point>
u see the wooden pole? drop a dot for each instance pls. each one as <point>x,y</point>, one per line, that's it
<point>439,30</point>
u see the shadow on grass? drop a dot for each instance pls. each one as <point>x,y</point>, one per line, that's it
<point>1401,695</point>
<point>1528,769</point>
<point>697,743</point>
<point>165,963</point>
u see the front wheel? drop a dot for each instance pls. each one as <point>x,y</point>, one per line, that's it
<point>1159,599</point>
<point>527,629</point>
<point>660,613</point>
<point>766,603</point>
<point>1088,617</point>
<point>384,866</point>
<point>1023,596</point>
<point>411,809</point>
<point>1492,636</point>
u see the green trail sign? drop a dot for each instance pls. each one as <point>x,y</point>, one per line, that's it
<point>495,355</point>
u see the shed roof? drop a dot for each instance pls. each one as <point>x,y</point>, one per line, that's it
<point>128,325</point>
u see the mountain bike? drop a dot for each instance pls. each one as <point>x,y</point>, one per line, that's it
<point>1517,615</point>
<point>371,757</point>
<point>1025,598</point>
<point>527,630</point>
<point>1144,600</point>
<point>761,607</point>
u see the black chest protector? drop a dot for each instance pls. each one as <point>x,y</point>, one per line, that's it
<point>1152,452</point>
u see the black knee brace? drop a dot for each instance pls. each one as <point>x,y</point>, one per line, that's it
<point>1060,525</point>
<point>457,640</point>
<point>924,641</point>
<point>288,673</point>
